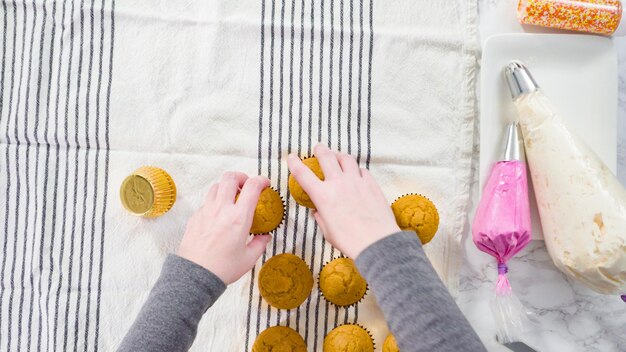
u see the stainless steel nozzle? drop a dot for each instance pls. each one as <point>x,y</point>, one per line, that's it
<point>519,79</point>
<point>514,145</point>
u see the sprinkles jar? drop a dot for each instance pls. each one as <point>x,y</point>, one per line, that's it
<point>592,16</point>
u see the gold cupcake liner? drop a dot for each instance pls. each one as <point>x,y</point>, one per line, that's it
<point>319,287</point>
<point>362,327</point>
<point>282,220</point>
<point>163,188</point>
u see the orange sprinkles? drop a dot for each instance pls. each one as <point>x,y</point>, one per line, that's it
<point>593,16</point>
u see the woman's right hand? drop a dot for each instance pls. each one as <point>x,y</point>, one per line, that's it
<point>351,209</point>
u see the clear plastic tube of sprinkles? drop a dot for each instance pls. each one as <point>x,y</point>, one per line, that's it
<point>591,16</point>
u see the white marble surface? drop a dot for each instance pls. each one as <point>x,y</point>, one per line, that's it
<point>569,317</point>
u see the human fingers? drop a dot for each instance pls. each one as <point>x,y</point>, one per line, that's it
<point>320,221</point>
<point>255,248</point>
<point>328,161</point>
<point>369,179</point>
<point>305,177</point>
<point>229,186</point>
<point>371,183</point>
<point>348,164</point>
<point>250,192</point>
<point>212,193</point>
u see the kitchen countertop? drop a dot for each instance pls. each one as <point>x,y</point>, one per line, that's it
<point>567,315</point>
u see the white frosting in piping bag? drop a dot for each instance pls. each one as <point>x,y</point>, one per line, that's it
<point>581,203</point>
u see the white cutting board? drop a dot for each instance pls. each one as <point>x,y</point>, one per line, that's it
<point>577,72</point>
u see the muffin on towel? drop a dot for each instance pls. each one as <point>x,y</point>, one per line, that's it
<point>269,212</point>
<point>298,194</point>
<point>349,338</point>
<point>279,338</point>
<point>285,281</point>
<point>341,283</point>
<point>417,213</point>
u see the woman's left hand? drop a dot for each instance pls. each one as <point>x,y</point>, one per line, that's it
<point>217,236</point>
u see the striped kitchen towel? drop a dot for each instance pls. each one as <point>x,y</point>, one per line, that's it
<point>93,89</point>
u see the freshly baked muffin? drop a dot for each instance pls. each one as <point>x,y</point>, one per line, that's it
<point>269,212</point>
<point>298,194</point>
<point>279,339</point>
<point>348,338</point>
<point>341,283</point>
<point>390,344</point>
<point>285,281</point>
<point>417,213</point>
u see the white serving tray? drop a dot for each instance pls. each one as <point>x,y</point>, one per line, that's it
<point>577,72</point>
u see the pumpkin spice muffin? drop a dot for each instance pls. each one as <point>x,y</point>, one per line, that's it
<point>341,283</point>
<point>278,339</point>
<point>348,338</point>
<point>390,344</point>
<point>285,281</point>
<point>269,212</point>
<point>298,194</point>
<point>417,213</point>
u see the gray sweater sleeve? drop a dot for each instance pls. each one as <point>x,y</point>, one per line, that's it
<point>417,306</point>
<point>169,319</point>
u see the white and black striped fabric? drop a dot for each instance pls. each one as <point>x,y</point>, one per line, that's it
<point>94,89</point>
<point>55,84</point>
<point>337,79</point>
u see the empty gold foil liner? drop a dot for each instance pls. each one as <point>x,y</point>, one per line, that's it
<point>149,192</point>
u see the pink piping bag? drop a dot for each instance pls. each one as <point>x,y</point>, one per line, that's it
<point>502,228</point>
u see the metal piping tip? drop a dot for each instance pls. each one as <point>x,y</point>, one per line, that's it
<point>514,145</point>
<point>519,79</point>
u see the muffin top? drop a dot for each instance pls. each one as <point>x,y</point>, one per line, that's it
<point>417,213</point>
<point>269,212</point>
<point>348,338</point>
<point>298,194</point>
<point>279,338</point>
<point>285,281</point>
<point>341,283</point>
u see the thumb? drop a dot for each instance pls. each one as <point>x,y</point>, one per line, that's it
<point>256,247</point>
<point>320,222</point>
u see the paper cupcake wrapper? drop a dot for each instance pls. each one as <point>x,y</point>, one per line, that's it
<point>319,287</point>
<point>362,327</point>
<point>413,194</point>
<point>282,220</point>
<point>163,187</point>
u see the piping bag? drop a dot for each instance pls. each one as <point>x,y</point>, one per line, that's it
<point>502,228</point>
<point>581,203</point>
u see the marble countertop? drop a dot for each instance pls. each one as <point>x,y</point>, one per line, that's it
<point>568,316</point>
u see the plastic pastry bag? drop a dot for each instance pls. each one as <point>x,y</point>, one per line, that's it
<point>502,228</point>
